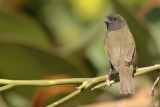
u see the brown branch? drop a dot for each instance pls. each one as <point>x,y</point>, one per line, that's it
<point>153,89</point>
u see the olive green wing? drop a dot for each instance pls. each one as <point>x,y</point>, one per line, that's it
<point>120,44</point>
<point>129,47</point>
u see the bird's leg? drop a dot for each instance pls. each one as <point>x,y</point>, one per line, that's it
<point>108,78</point>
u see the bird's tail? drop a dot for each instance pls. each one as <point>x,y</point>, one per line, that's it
<point>126,82</point>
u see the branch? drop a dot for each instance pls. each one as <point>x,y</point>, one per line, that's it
<point>153,88</point>
<point>11,83</point>
<point>85,85</point>
<point>86,82</point>
<point>65,98</point>
<point>138,72</point>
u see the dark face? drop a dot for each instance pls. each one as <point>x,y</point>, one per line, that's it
<point>114,22</point>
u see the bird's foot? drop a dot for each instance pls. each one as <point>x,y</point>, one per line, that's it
<point>134,68</point>
<point>108,82</point>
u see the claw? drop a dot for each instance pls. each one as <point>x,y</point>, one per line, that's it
<point>108,82</point>
<point>108,78</point>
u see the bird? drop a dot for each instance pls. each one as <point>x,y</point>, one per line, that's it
<point>120,49</point>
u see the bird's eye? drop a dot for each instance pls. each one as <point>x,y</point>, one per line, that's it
<point>114,19</point>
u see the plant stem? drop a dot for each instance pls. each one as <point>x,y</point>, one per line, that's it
<point>65,98</point>
<point>153,88</point>
<point>86,82</point>
<point>138,72</point>
<point>43,82</point>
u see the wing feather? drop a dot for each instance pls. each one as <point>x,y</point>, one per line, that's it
<point>120,44</point>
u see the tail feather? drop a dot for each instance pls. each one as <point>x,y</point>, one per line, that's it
<point>126,82</point>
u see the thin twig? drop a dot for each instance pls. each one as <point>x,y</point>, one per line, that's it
<point>104,84</point>
<point>8,86</point>
<point>139,71</point>
<point>153,88</point>
<point>91,81</point>
<point>43,82</point>
<point>65,98</point>
<point>86,82</point>
<point>85,85</point>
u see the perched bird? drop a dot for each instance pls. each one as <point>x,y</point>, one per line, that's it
<point>121,50</point>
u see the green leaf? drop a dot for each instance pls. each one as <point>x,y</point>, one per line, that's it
<point>21,28</point>
<point>23,62</point>
<point>71,34</point>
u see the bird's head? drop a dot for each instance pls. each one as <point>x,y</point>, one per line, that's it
<point>115,21</point>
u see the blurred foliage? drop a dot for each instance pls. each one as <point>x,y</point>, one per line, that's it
<point>45,38</point>
<point>141,34</point>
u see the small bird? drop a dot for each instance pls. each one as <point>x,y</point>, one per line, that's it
<point>120,48</point>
